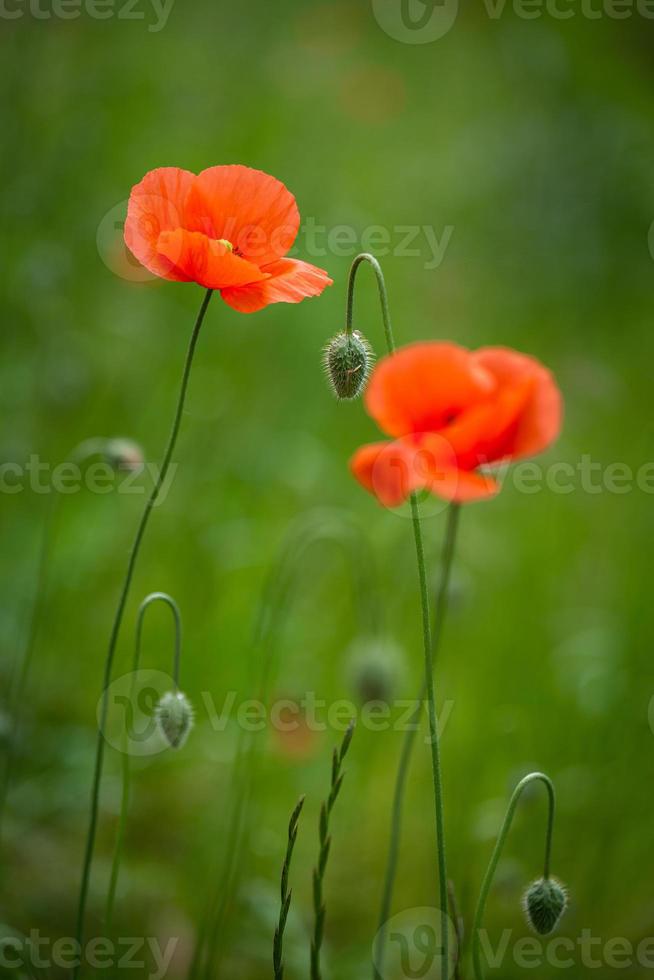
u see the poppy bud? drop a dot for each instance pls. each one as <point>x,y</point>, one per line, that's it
<point>348,359</point>
<point>123,454</point>
<point>544,903</point>
<point>375,666</point>
<point>174,715</point>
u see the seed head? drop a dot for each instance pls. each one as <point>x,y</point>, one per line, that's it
<point>348,359</point>
<point>544,903</point>
<point>174,715</point>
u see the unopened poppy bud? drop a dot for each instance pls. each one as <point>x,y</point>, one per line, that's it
<point>348,359</point>
<point>375,666</point>
<point>123,454</point>
<point>174,715</point>
<point>544,903</point>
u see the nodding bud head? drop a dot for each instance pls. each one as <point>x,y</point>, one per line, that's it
<point>123,454</point>
<point>375,668</point>
<point>348,359</point>
<point>544,903</point>
<point>174,715</point>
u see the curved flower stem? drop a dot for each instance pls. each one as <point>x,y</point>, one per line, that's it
<point>124,803</point>
<point>497,853</point>
<point>131,564</point>
<point>434,738</point>
<point>449,545</point>
<point>383,297</point>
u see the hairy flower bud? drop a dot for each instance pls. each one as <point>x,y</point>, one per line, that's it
<point>124,455</point>
<point>544,903</point>
<point>348,359</point>
<point>174,715</point>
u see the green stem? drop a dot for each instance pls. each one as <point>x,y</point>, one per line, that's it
<point>125,796</point>
<point>383,297</point>
<point>497,853</point>
<point>22,668</point>
<point>320,526</point>
<point>434,737</point>
<point>447,558</point>
<point>80,454</point>
<point>323,854</point>
<point>285,894</point>
<point>131,564</point>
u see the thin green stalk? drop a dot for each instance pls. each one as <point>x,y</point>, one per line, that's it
<point>383,297</point>
<point>124,594</point>
<point>323,854</point>
<point>20,674</point>
<point>126,769</point>
<point>434,737</point>
<point>275,607</point>
<point>497,853</point>
<point>22,668</point>
<point>428,653</point>
<point>447,558</point>
<point>286,894</point>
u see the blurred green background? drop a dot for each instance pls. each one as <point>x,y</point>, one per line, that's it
<point>532,141</point>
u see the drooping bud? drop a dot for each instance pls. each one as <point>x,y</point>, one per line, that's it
<point>544,903</point>
<point>375,666</point>
<point>348,359</point>
<point>174,714</point>
<point>124,455</point>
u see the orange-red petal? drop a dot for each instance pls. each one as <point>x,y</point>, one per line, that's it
<point>288,281</point>
<point>538,422</point>
<point>422,386</point>
<point>157,204</point>
<point>386,470</point>
<point>394,470</point>
<point>195,258</point>
<point>249,208</point>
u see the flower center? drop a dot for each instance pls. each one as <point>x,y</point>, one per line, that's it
<point>228,245</point>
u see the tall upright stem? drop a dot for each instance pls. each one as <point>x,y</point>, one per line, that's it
<point>433,737</point>
<point>131,564</point>
<point>449,546</point>
<point>427,641</point>
<point>497,853</point>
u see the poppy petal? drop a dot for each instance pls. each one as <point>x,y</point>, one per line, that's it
<point>463,486</point>
<point>289,281</point>
<point>249,208</point>
<point>540,417</point>
<point>486,432</point>
<point>195,258</point>
<point>421,387</point>
<point>156,204</point>
<point>385,470</point>
<point>392,471</point>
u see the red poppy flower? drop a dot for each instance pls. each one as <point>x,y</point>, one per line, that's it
<point>229,228</point>
<point>451,411</point>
